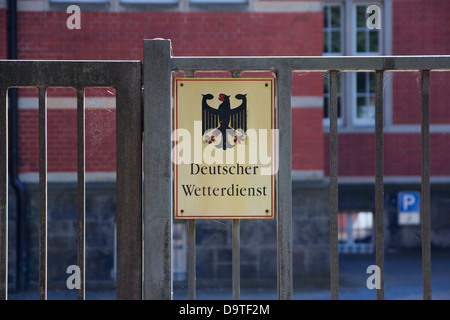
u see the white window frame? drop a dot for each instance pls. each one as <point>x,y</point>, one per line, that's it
<point>349,120</point>
<point>353,228</point>
<point>326,121</point>
<point>342,33</point>
<point>354,98</point>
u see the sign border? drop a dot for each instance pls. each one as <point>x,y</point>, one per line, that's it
<point>274,149</point>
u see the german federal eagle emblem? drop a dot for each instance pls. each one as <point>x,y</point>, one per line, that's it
<point>224,126</point>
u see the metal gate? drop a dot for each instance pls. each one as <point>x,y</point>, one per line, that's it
<point>125,77</point>
<point>158,65</point>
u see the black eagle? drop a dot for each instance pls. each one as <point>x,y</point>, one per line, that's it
<point>224,118</point>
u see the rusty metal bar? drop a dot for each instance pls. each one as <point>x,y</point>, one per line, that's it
<point>125,77</point>
<point>42,193</point>
<point>129,115</point>
<point>3,193</point>
<point>321,63</point>
<point>68,73</point>
<point>158,170</point>
<point>81,189</point>
<point>425,191</point>
<point>284,217</point>
<point>192,271</point>
<point>379,184</point>
<point>334,253</point>
<point>236,264</point>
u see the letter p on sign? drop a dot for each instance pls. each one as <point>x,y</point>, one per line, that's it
<point>409,207</point>
<point>408,201</point>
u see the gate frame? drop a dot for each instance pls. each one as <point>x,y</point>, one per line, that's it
<point>158,65</point>
<point>125,77</point>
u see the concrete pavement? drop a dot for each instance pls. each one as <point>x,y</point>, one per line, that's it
<point>403,281</point>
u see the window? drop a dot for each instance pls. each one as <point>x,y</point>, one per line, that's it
<point>355,232</point>
<point>367,40</point>
<point>326,99</point>
<point>332,45</point>
<point>332,30</point>
<point>345,32</point>
<point>365,96</point>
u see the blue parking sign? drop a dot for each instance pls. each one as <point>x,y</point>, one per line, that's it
<point>409,207</point>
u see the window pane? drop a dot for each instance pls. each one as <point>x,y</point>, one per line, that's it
<point>373,41</point>
<point>362,227</point>
<point>339,107</point>
<point>361,41</point>
<point>325,42</point>
<point>365,108</point>
<point>325,83</point>
<point>336,17</point>
<point>361,107</point>
<point>372,82</point>
<point>325,17</point>
<point>326,107</point>
<point>335,41</point>
<point>360,82</point>
<point>372,102</point>
<point>361,17</point>
<point>326,94</point>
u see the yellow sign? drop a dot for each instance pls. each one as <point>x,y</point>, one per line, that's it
<point>224,148</point>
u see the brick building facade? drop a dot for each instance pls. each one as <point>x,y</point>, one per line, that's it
<point>114,30</point>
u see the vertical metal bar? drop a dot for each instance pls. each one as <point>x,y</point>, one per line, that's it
<point>158,170</point>
<point>42,193</point>
<point>284,217</point>
<point>334,209</point>
<point>192,271</point>
<point>236,233</point>
<point>236,264</point>
<point>425,192</point>
<point>3,194</point>
<point>129,186</point>
<point>379,184</point>
<point>81,189</point>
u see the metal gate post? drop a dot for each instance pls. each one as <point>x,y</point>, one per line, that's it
<point>129,185</point>
<point>334,198</point>
<point>3,193</point>
<point>157,170</point>
<point>284,218</point>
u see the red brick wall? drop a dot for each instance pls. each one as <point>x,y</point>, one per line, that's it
<point>401,157</point>
<point>3,34</point>
<point>406,98</point>
<point>62,141</point>
<point>307,139</point>
<point>420,27</point>
<point>113,35</point>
